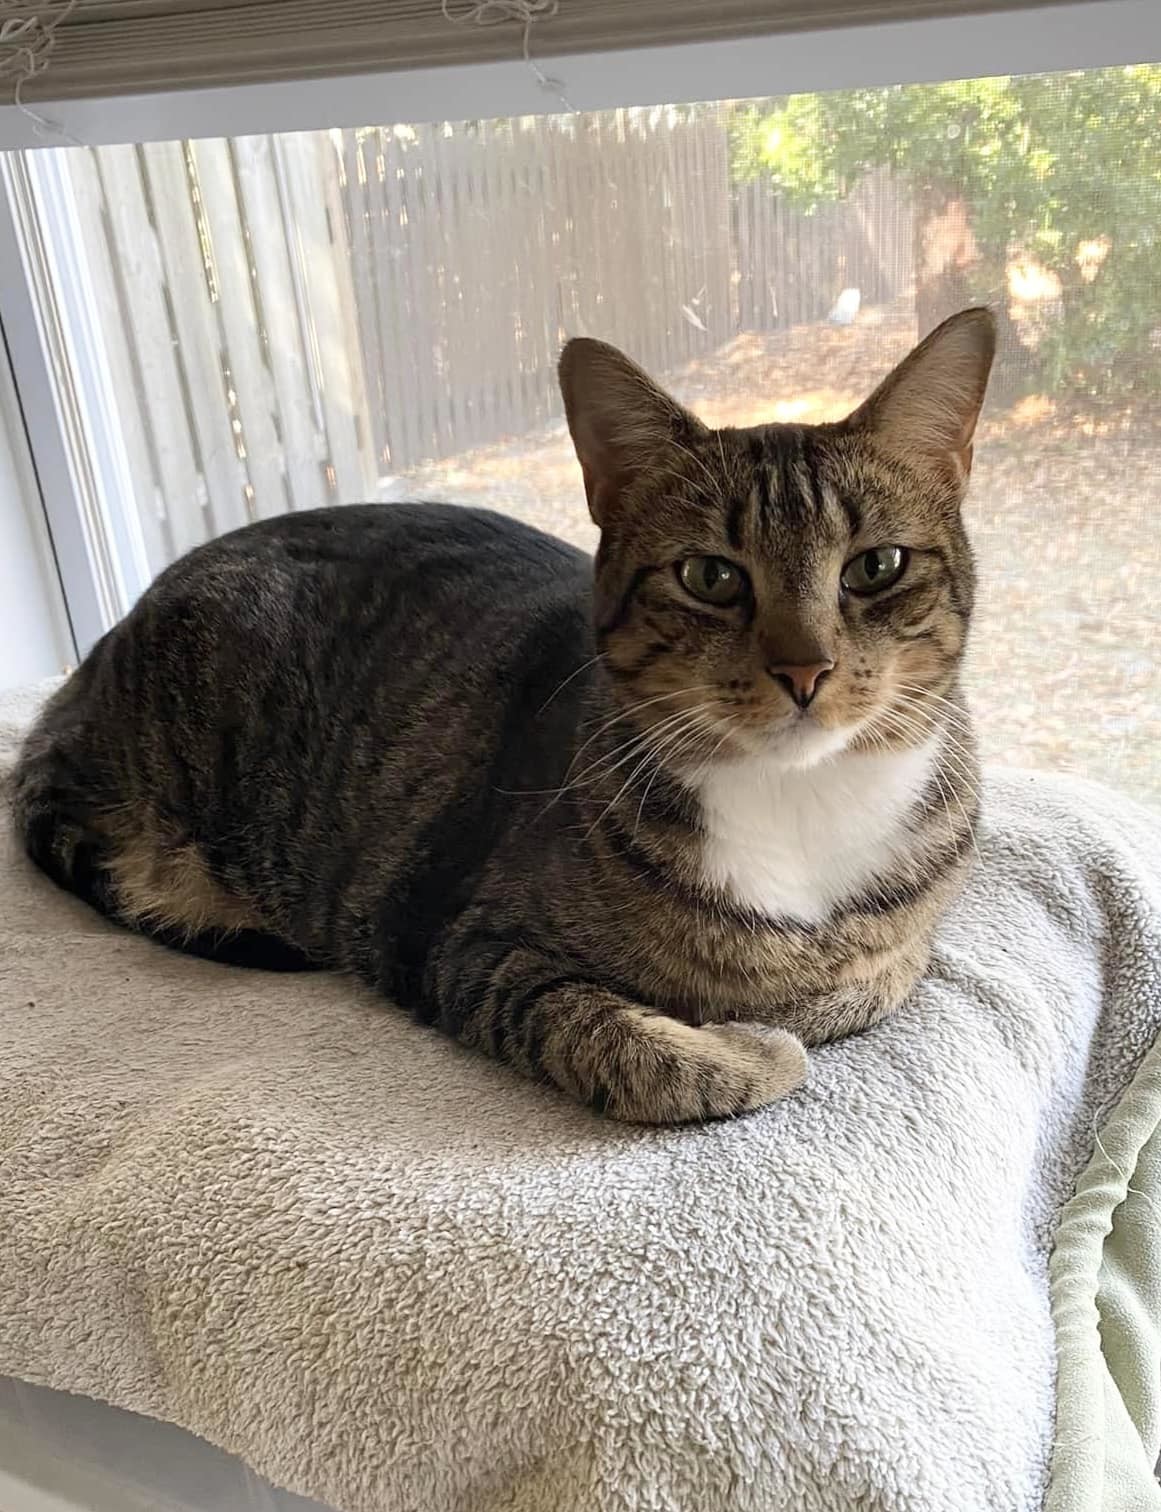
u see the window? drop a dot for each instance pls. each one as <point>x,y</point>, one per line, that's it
<point>267,323</point>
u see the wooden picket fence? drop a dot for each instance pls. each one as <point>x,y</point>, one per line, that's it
<point>288,319</point>
<point>230,333</point>
<point>791,267</point>
<point>477,250</point>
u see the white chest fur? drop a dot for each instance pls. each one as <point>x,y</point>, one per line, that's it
<point>796,843</point>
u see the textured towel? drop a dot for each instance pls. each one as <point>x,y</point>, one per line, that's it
<point>394,1276</point>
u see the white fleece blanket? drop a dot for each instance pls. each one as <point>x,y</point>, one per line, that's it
<point>397,1278</point>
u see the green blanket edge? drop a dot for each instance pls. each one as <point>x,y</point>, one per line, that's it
<point>1105,1283</point>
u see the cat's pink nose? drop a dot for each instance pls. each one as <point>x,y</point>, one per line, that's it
<point>800,679</point>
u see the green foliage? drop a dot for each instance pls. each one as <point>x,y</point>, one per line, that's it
<point>1048,165</point>
<point>791,144</point>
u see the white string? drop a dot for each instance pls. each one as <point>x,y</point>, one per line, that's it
<point>524,12</point>
<point>1126,1176</point>
<point>26,44</point>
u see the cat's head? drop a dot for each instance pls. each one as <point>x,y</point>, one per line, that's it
<point>804,589</point>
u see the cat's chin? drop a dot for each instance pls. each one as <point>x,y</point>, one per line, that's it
<point>800,744</point>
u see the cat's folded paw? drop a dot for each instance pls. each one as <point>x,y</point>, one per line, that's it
<point>718,1071</point>
<point>778,1055</point>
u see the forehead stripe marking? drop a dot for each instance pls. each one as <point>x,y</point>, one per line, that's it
<point>734,520</point>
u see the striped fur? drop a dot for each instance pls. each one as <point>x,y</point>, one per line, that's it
<point>562,810</point>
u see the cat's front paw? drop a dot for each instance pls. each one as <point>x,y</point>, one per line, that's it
<point>778,1056</point>
<point>694,1075</point>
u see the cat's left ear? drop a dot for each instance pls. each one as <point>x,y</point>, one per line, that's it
<point>622,424</point>
<point>926,410</point>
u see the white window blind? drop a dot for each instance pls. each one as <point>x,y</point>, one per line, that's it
<point>102,48</point>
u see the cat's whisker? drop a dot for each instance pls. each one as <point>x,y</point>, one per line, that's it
<point>635,709</point>
<point>955,754</point>
<point>588,774</point>
<point>651,746</point>
<point>705,729</point>
<point>591,774</point>
<point>954,769</point>
<point>969,822</point>
<point>947,734</point>
<point>650,758</point>
<point>560,687</point>
<point>955,759</point>
<point>708,761</point>
<point>925,721</point>
<point>929,690</point>
<point>949,709</point>
<point>956,777</point>
<point>962,764</point>
<point>632,709</point>
<point>943,796</point>
<point>638,737</point>
<point>584,778</point>
<point>659,767</point>
<point>658,753</point>
<point>906,711</point>
<point>674,724</point>
<point>880,744</point>
<point>637,740</point>
<point>888,722</point>
<point>939,698</point>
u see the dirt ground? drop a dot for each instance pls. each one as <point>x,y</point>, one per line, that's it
<point>1065,666</point>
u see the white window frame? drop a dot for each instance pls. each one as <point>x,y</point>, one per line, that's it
<point>70,412</point>
<point>69,407</point>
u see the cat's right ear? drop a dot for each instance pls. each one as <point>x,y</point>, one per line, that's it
<point>927,409</point>
<point>622,424</point>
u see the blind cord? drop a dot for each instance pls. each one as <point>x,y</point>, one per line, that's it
<point>524,13</point>
<point>26,44</point>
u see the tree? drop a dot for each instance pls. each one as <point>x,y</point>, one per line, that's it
<point>1061,172</point>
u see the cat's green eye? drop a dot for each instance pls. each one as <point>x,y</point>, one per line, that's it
<point>872,571</point>
<point>712,579</point>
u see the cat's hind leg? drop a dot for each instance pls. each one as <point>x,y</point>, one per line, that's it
<point>123,862</point>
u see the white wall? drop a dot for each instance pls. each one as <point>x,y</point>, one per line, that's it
<point>34,634</point>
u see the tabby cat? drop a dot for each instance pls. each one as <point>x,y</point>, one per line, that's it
<point>639,827</point>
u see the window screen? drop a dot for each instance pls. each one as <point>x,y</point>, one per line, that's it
<point>293,321</point>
